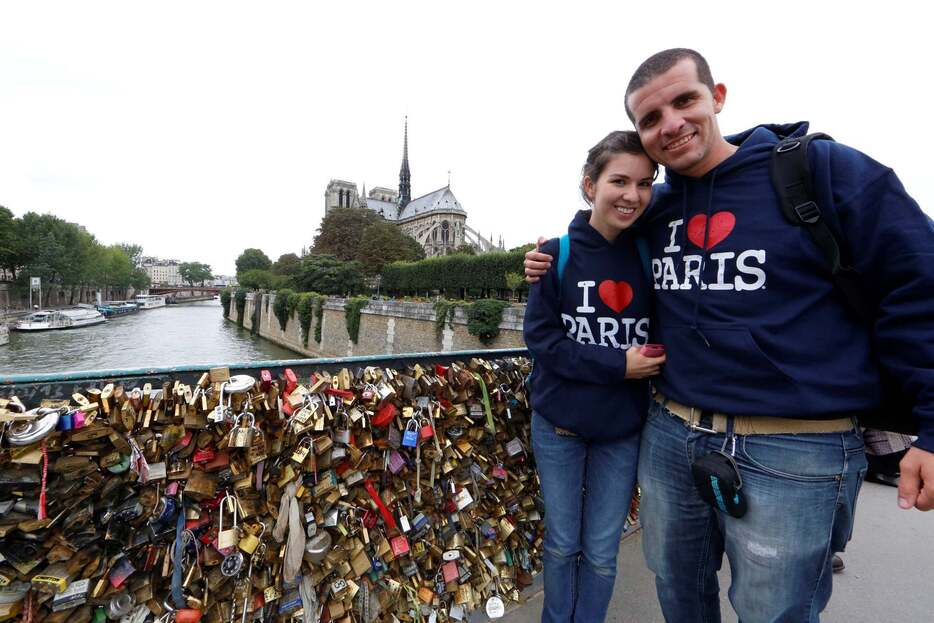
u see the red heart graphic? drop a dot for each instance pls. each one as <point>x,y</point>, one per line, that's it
<point>721,225</point>
<point>617,295</point>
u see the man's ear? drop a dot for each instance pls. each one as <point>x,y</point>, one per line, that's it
<point>589,189</point>
<point>719,96</point>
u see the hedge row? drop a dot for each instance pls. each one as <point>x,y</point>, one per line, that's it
<point>451,274</point>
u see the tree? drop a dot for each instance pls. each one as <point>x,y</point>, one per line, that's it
<point>287,265</point>
<point>257,279</point>
<point>10,251</point>
<point>341,232</point>
<point>134,252</point>
<point>466,249</point>
<point>514,281</point>
<point>382,243</point>
<point>329,275</point>
<point>194,271</point>
<point>252,258</point>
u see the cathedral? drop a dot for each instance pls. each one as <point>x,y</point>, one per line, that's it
<point>436,220</point>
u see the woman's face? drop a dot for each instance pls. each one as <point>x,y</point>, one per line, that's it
<point>620,194</point>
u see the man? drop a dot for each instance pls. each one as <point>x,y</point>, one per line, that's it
<point>765,364</point>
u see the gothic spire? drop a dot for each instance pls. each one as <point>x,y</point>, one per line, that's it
<point>405,178</point>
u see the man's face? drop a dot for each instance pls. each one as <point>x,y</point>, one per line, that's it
<point>676,117</point>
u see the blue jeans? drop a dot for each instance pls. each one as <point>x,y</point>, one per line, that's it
<point>801,491</point>
<point>587,489</point>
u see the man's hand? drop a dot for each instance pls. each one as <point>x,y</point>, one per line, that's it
<point>536,262</point>
<point>916,480</point>
<point>638,366</point>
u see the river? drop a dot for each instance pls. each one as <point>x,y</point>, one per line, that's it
<point>191,333</point>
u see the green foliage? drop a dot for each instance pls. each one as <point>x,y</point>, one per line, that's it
<point>484,317</point>
<point>225,301</point>
<point>256,279</point>
<point>240,302</point>
<point>307,303</point>
<point>341,232</point>
<point>328,275</point>
<point>453,275</point>
<point>466,249</point>
<point>444,314</point>
<point>382,243</point>
<point>525,248</point>
<point>514,281</point>
<point>283,306</point>
<point>194,271</point>
<point>250,259</point>
<point>352,310</point>
<point>319,316</point>
<point>287,265</point>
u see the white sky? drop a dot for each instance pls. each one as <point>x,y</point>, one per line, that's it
<point>197,129</point>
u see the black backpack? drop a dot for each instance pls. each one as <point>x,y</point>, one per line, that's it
<point>791,178</point>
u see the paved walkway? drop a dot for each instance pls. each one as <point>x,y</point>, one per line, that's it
<point>889,573</point>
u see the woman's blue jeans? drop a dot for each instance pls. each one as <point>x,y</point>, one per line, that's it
<point>587,489</point>
<point>801,491</point>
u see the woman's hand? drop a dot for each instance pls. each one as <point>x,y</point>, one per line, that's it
<point>638,366</point>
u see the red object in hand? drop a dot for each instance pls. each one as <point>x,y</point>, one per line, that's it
<point>652,350</point>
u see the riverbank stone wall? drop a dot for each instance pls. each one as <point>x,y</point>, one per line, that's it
<point>386,327</point>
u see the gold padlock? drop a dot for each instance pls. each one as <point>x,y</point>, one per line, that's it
<point>302,450</point>
<point>250,541</point>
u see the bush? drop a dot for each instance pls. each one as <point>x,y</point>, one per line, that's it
<point>352,310</point>
<point>453,275</point>
<point>225,301</point>
<point>282,307</point>
<point>484,317</point>
<point>307,304</point>
<point>240,301</point>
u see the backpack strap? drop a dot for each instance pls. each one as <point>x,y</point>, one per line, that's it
<point>791,178</point>
<point>564,252</point>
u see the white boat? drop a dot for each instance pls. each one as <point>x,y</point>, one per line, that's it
<point>150,301</point>
<point>59,319</point>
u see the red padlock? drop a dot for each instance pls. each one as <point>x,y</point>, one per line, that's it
<point>203,455</point>
<point>265,380</point>
<point>399,545</point>
<point>291,381</point>
<point>187,615</point>
<point>449,571</point>
<point>385,415</point>
<point>369,519</point>
<point>426,431</point>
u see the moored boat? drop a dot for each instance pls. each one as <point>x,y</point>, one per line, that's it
<point>150,301</point>
<point>47,320</point>
<point>117,308</point>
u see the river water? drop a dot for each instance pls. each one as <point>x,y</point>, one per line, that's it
<point>191,333</point>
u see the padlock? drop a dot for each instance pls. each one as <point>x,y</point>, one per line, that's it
<point>449,571</point>
<point>426,431</point>
<point>399,545</point>
<point>227,539</point>
<point>241,435</point>
<point>249,542</point>
<point>302,449</point>
<point>410,437</point>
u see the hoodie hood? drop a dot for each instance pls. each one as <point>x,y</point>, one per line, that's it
<point>583,234</point>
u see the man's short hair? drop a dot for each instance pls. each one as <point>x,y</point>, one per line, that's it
<point>659,63</point>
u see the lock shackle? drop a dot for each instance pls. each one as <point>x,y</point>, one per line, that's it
<point>240,417</point>
<point>220,513</point>
<point>411,421</point>
<point>306,441</point>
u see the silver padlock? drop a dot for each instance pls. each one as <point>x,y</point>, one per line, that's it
<point>241,436</point>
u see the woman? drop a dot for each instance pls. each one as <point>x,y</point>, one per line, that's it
<point>585,324</point>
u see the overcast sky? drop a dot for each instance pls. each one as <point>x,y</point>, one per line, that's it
<point>197,129</point>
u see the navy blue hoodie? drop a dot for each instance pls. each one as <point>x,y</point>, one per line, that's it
<point>751,322</point>
<point>578,336</point>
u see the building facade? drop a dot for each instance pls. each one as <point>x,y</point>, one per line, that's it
<point>162,272</point>
<point>436,220</point>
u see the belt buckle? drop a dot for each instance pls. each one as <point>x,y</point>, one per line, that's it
<point>695,426</point>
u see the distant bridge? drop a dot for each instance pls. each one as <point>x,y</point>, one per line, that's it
<point>186,293</point>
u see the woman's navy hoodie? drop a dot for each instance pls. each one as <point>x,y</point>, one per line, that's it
<point>578,334</point>
<point>749,317</point>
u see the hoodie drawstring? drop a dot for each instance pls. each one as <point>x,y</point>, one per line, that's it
<point>704,252</point>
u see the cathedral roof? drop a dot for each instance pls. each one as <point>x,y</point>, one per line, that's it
<point>439,200</point>
<point>387,209</point>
